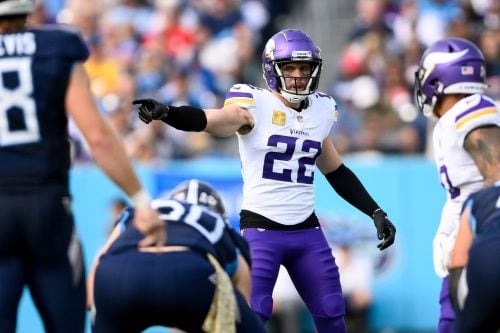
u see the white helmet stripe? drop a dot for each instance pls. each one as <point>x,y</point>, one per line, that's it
<point>16,7</point>
<point>437,58</point>
<point>192,192</point>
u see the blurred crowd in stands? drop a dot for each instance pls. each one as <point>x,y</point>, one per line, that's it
<point>375,84</point>
<point>192,51</point>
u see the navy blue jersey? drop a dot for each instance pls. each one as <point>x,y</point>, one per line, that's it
<point>480,295</point>
<point>35,68</point>
<point>485,210</point>
<point>195,226</point>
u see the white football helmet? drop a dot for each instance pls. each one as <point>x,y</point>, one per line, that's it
<point>16,7</point>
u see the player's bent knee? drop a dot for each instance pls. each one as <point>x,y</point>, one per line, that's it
<point>332,305</point>
<point>263,305</point>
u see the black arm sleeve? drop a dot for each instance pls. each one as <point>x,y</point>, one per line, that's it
<point>350,188</point>
<point>186,118</point>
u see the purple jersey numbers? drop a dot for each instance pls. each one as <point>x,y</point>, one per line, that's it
<point>308,146</point>
<point>445,181</point>
<point>313,147</point>
<point>273,141</point>
<point>320,94</point>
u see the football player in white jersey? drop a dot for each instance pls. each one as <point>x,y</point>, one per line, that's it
<point>449,84</point>
<point>283,135</point>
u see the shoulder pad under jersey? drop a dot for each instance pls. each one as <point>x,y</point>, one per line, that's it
<point>63,40</point>
<point>473,112</point>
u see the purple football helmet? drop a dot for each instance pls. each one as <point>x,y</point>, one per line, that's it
<point>287,46</point>
<point>449,66</point>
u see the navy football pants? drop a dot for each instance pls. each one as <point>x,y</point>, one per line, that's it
<point>135,290</point>
<point>39,250</point>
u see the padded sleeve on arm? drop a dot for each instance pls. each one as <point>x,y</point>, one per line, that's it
<point>350,188</point>
<point>186,118</point>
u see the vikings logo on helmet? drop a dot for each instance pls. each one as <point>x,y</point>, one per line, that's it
<point>269,50</point>
<point>449,66</point>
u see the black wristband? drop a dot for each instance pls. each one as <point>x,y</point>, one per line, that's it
<point>186,118</point>
<point>350,188</point>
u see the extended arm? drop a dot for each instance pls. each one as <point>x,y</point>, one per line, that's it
<point>350,188</point>
<point>219,122</point>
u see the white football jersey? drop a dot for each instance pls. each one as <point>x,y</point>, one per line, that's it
<point>455,165</point>
<point>279,154</point>
<point>458,173</point>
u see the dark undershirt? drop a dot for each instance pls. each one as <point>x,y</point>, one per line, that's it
<point>250,219</point>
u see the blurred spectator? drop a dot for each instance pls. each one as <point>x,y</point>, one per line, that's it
<point>52,8</point>
<point>84,15</point>
<point>405,21</point>
<point>151,71</point>
<point>433,18</point>
<point>226,45</point>
<point>194,50</point>
<point>489,43</point>
<point>256,15</point>
<point>104,71</point>
<point>132,15</point>
<point>172,33</point>
<point>40,15</point>
<point>369,122</point>
<point>370,20</point>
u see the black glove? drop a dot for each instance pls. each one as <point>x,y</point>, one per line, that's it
<point>385,229</point>
<point>151,110</point>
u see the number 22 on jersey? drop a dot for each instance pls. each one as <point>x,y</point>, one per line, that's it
<point>306,146</point>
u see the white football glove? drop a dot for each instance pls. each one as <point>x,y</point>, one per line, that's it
<point>442,248</point>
